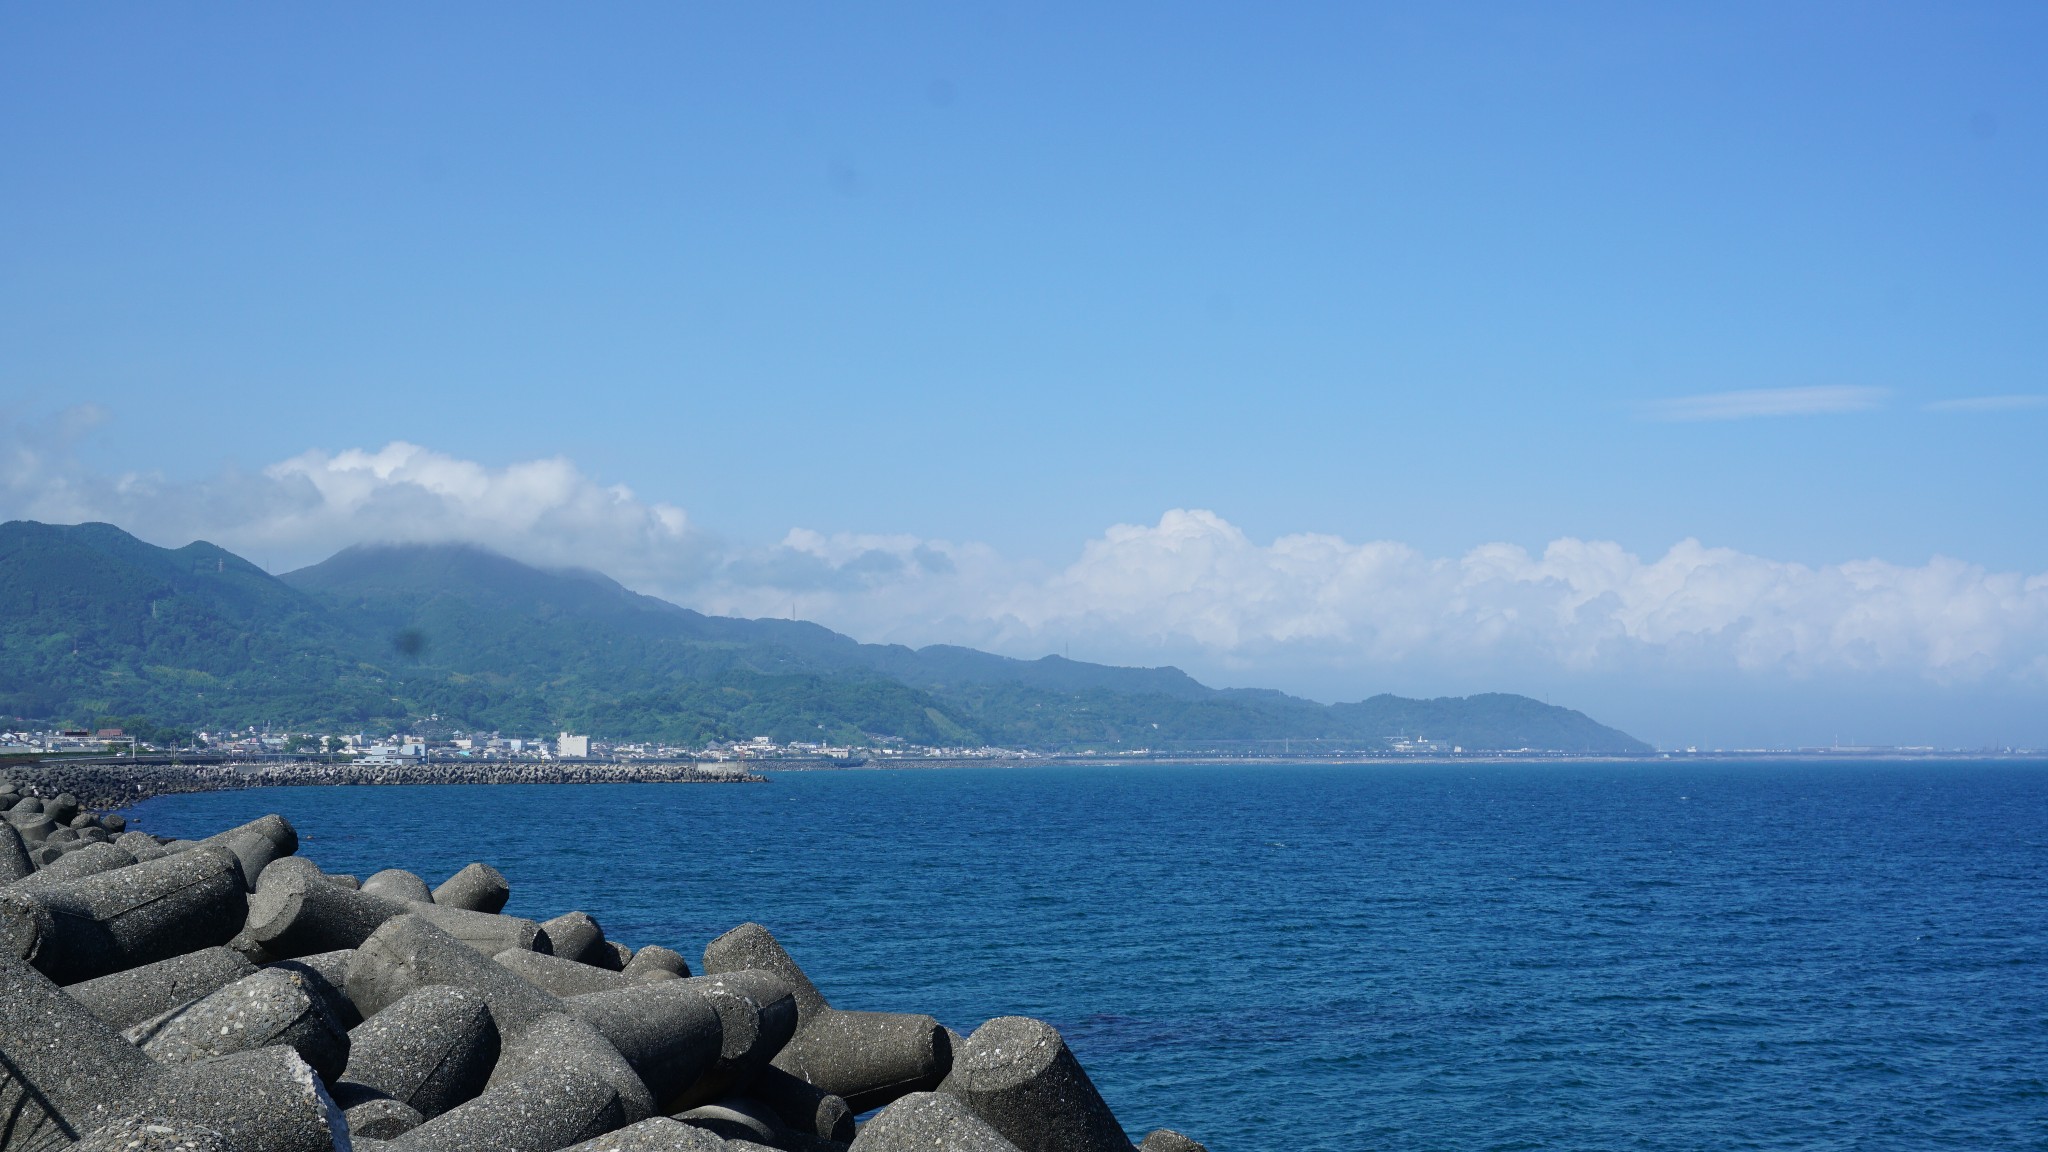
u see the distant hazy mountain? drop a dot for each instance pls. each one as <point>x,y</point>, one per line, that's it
<point>95,624</point>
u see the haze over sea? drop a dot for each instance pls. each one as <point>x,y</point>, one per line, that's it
<point>1465,956</point>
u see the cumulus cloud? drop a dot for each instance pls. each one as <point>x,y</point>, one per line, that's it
<point>1191,587</point>
<point>1762,402</point>
<point>1193,582</point>
<point>300,510</point>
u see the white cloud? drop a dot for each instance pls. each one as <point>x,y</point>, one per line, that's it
<point>303,509</point>
<point>1989,404</point>
<point>1190,588</point>
<point>1195,583</point>
<point>1761,402</point>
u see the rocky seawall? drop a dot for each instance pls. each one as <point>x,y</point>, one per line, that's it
<point>228,995</point>
<point>113,783</point>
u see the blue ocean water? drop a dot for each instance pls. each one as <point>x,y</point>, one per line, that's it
<point>1654,956</point>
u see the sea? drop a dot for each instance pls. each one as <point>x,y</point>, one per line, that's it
<point>1463,956</point>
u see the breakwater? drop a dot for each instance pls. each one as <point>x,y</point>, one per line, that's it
<point>228,994</point>
<point>116,783</point>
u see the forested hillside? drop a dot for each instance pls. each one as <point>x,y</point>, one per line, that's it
<point>95,624</point>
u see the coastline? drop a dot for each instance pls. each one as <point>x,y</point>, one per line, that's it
<point>108,785</point>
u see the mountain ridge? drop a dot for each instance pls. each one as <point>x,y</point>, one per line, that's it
<point>391,634</point>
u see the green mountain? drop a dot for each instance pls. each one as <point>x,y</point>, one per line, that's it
<point>95,624</point>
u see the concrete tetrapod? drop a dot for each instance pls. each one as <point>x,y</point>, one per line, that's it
<point>656,963</point>
<point>929,1122</point>
<point>381,1118</point>
<point>1167,1140</point>
<point>803,1107</point>
<point>398,884</point>
<point>669,1032</point>
<point>1017,1075</point>
<point>90,860</point>
<point>153,1134</point>
<point>297,910</point>
<point>256,844</point>
<point>127,917</point>
<point>67,1073</point>
<point>271,1007</point>
<point>576,936</point>
<point>756,1015</point>
<point>655,1134</point>
<point>432,1050</point>
<point>735,1118</point>
<point>866,1058</point>
<point>559,976</point>
<point>477,888</point>
<point>408,953</point>
<point>558,1084</point>
<point>125,999</point>
<point>14,862</point>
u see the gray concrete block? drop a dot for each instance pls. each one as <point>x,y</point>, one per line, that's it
<point>297,911</point>
<point>656,963</point>
<point>270,1007</point>
<point>737,1119</point>
<point>43,855</point>
<point>656,1134</point>
<point>125,999</point>
<point>153,1134</point>
<point>128,917</point>
<point>14,861</point>
<point>33,827</point>
<point>867,1058</point>
<point>1018,1076</point>
<point>558,1043</point>
<point>432,1050</point>
<point>327,974</point>
<point>381,1118</point>
<point>558,976</point>
<point>929,1122</point>
<point>1167,1140</point>
<point>408,952</point>
<point>667,1031</point>
<point>66,1073</point>
<point>64,809</point>
<point>757,1017</point>
<point>541,1111</point>
<point>345,880</point>
<point>258,843</point>
<point>577,936</point>
<point>88,861</point>
<point>621,953</point>
<point>262,1100</point>
<point>803,1107</point>
<point>398,884</point>
<point>477,888</point>
<point>114,822</point>
<point>486,932</point>
<point>142,845</point>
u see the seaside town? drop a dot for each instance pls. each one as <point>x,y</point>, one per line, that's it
<point>407,748</point>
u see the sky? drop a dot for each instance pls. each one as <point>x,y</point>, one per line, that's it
<point>1683,364</point>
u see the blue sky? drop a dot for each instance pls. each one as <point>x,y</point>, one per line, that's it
<point>832,289</point>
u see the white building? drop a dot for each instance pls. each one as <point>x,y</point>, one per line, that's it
<point>570,747</point>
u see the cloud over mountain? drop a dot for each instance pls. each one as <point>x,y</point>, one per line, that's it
<point>1190,587</point>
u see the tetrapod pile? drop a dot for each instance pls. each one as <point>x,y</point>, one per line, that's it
<point>227,995</point>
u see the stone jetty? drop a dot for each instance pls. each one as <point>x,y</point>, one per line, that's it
<point>115,783</point>
<point>229,995</point>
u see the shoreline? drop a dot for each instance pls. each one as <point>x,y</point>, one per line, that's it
<point>109,784</point>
